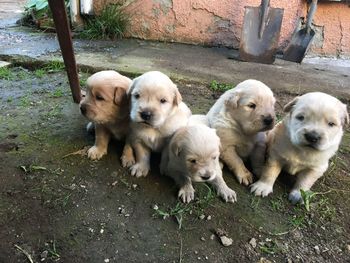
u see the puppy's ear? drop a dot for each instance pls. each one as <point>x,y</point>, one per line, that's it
<point>290,105</point>
<point>132,86</point>
<point>345,117</point>
<point>232,100</point>
<point>178,97</point>
<point>119,95</point>
<point>175,148</point>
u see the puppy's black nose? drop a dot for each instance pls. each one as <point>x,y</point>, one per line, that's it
<point>312,137</point>
<point>83,109</point>
<point>206,176</point>
<point>268,120</point>
<point>146,115</point>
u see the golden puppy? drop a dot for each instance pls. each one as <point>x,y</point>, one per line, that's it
<point>157,111</point>
<point>192,155</point>
<point>106,106</point>
<point>239,116</point>
<point>303,142</point>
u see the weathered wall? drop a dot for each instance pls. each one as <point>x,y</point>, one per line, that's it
<point>213,22</point>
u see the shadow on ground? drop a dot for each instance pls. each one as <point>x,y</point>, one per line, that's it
<point>56,205</point>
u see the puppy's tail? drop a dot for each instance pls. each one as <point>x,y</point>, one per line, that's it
<point>90,128</point>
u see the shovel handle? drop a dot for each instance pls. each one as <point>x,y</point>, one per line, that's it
<point>310,15</point>
<point>264,11</point>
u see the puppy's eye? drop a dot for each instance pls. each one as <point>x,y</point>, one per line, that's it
<point>192,161</point>
<point>163,101</point>
<point>214,157</point>
<point>137,96</point>
<point>300,117</point>
<point>252,105</point>
<point>331,124</point>
<point>99,97</point>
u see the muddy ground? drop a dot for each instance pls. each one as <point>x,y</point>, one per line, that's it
<point>58,206</point>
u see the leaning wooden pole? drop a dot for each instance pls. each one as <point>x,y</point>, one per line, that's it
<point>60,19</point>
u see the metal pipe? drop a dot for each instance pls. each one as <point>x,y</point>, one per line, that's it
<point>59,15</point>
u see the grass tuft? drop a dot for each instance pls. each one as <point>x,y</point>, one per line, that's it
<point>216,86</point>
<point>5,73</point>
<point>110,24</point>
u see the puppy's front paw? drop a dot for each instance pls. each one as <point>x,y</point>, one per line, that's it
<point>95,153</point>
<point>228,195</point>
<point>245,177</point>
<point>127,160</point>
<point>261,188</point>
<point>139,169</point>
<point>186,193</point>
<point>295,197</point>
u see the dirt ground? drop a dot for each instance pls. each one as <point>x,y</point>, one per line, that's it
<point>58,206</point>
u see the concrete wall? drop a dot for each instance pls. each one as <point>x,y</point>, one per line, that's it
<point>214,22</point>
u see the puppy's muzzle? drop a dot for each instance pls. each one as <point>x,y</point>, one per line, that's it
<point>312,137</point>
<point>268,120</point>
<point>83,109</point>
<point>206,176</point>
<point>146,115</point>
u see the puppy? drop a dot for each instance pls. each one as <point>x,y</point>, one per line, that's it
<point>239,116</point>
<point>303,142</point>
<point>157,111</point>
<point>192,155</point>
<point>106,106</point>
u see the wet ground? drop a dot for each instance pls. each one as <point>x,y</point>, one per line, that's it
<point>58,206</point>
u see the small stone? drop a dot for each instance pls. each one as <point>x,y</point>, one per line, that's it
<point>208,218</point>
<point>201,217</point>
<point>252,242</point>
<point>102,230</point>
<point>196,252</point>
<point>155,207</point>
<point>127,215</point>
<point>212,237</point>
<point>206,258</point>
<point>199,258</point>
<point>289,260</point>
<point>348,247</point>
<point>106,260</point>
<point>226,241</point>
<point>134,186</point>
<point>43,255</point>
<point>264,260</point>
<point>317,250</point>
<point>202,239</point>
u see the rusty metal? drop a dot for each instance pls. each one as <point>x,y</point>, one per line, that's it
<point>260,33</point>
<point>60,19</point>
<point>301,40</point>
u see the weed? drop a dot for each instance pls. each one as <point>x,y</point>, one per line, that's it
<point>58,93</point>
<point>255,202</point>
<point>9,99</point>
<point>277,204</point>
<point>24,101</point>
<point>216,86</point>
<point>203,201</point>
<point>297,220</point>
<point>54,66</point>
<point>307,196</point>
<point>269,248</point>
<point>110,24</point>
<point>39,73</point>
<point>52,251</point>
<point>5,73</point>
<point>23,74</point>
<point>82,82</point>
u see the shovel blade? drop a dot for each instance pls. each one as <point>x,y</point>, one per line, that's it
<point>299,45</point>
<point>255,49</point>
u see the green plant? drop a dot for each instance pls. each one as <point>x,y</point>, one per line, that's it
<point>39,72</point>
<point>216,86</point>
<point>5,73</point>
<point>57,93</point>
<point>269,248</point>
<point>110,24</point>
<point>307,196</point>
<point>54,66</point>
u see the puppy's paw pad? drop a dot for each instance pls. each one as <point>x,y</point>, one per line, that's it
<point>261,189</point>
<point>95,154</point>
<point>186,194</point>
<point>295,197</point>
<point>245,178</point>
<point>139,170</point>
<point>127,161</point>
<point>228,195</point>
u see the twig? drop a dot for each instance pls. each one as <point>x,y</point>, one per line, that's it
<point>269,233</point>
<point>25,253</point>
<point>180,254</point>
<point>79,152</point>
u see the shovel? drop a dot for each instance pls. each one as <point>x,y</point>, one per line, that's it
<point>302,39</point>
<point>260,33</point>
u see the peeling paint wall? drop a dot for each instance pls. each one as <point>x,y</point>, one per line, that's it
<point>213,22</point>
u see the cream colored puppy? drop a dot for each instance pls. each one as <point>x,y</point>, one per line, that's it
<point>157,111</point>
<point>106,106</point>
<point>239,116</point>
<point>192,155</point>
<point>303,142</point>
